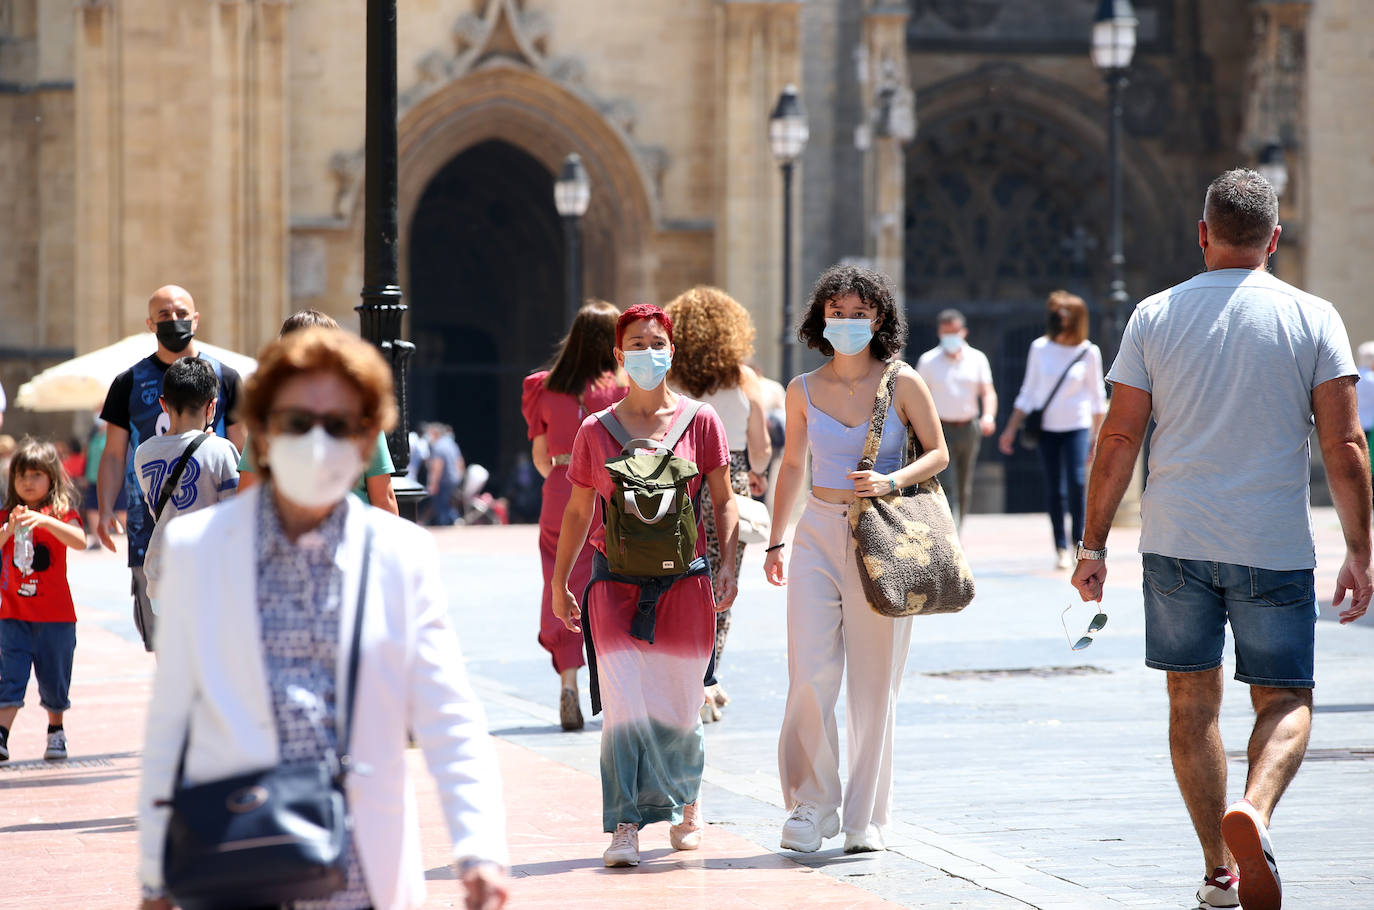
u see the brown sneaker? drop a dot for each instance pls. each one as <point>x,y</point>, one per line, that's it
<point>687,836</point>
<point>570,710</point>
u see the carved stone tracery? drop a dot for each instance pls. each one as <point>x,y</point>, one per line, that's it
<point>506,33</point>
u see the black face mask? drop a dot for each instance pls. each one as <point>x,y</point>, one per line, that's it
<point>175,334</point>
<point>1054,324</point>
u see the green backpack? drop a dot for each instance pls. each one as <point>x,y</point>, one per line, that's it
<point>651,521</point>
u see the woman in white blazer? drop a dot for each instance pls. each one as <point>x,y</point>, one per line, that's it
<point>253,644</point>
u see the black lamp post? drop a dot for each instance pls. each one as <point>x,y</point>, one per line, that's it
<point>382,311</point>
<point>572,193</point>
<point>1273,166</point>
<point>787,135</point>
<point>1113,46</point>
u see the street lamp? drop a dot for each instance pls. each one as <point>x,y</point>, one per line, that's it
<point>572,193</point>
<point>1273,166</point>
<point>787,135</point>
<point>1113,45</point>
<point>382,311</point>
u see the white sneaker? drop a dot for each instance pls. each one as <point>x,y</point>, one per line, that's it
<point>869,840</point>
<point>1219,892</point>
<point>624,848</point>
<point>57,746</point>
<point>805,829</point>
<point>687,835</point>
<point>1063,560</point>
<point>1242,827</point>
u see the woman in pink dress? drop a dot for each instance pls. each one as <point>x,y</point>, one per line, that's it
<point>581,381</point>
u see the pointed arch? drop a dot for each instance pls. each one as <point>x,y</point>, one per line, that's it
<point>509,103</point>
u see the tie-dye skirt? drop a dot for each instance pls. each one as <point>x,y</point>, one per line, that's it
<point>652,746</point>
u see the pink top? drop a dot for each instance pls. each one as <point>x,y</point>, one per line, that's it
<point>558,414</point>
<point>703,444</point>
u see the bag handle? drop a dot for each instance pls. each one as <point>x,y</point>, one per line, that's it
<point>881,403</point>
<point>1064,375</point>
<point>171,483</point>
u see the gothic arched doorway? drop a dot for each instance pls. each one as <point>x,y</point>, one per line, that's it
<point>486,298</point>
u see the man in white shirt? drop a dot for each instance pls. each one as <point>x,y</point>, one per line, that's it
<point>1235,367</point>
<point>960,381</point>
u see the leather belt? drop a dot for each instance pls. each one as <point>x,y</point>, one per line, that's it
<point>562,460</point>
<point>956,423</point>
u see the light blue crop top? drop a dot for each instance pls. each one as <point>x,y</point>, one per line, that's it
<point>837,448</point>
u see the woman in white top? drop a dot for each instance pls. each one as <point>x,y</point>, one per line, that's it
<point>713,337</point>
<point>1071,418</point>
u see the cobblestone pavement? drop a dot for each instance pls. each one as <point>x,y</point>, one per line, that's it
<point>1028,775</point>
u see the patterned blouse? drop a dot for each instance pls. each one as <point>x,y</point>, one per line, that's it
<point>300,591</point>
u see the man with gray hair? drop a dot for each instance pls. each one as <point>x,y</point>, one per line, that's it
<point>1234,366</point>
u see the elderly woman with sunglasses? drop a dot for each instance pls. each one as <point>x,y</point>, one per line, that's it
<point>254,654</point>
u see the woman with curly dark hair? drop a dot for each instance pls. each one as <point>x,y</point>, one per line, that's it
<point>715,336</point>
<point>852,319</point>
<point>580,380</point>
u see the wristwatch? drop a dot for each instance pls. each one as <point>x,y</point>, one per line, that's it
<point>1084,553</point>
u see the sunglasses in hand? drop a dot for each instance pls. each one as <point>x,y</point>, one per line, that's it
<point>1095,625</point>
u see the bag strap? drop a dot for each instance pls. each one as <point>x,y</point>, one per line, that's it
<point>350,686</point>
<point>676,430</point>
<point>881,403</point>
<point>354,651</point>
<point>1064,375</point>
<point>682,424</point>
<point>171,483</point>
<point>607,418</point>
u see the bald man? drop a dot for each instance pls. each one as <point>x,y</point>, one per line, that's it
<point>133,414</point>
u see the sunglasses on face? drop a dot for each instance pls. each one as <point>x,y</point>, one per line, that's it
<point>1095,625</point>
<point>298,422</point>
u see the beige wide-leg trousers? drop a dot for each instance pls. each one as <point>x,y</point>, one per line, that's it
<point>829,624</point>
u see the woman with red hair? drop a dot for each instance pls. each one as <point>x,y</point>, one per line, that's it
<point>647,675</point>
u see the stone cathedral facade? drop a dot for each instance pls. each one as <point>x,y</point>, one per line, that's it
<point>960,145</point>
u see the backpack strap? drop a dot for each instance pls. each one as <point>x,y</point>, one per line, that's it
<point>676,431</point>
<point>171,483</point>
<point>606,417</point>
<point>681,425</point>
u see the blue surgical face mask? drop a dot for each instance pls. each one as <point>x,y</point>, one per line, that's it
<point>647,368</point>
<point>848,336</point>
<point>952,343</point>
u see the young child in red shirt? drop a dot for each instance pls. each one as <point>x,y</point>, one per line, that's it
<point>37,617</point>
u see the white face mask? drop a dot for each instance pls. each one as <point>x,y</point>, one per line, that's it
<point>314,470</point>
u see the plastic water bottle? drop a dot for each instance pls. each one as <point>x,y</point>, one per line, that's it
<point>23,549</point>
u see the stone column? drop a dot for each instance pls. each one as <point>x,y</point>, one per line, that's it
<point>181,165</point>
<point>891,123</point>
<point>248,171</point>
<point>98,279</point>
<point>759,49</point>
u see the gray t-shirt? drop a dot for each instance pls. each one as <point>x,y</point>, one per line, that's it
<point>1230,359</point>
<point>211,474</point>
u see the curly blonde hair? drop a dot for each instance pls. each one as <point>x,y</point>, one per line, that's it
<point>713,336</point>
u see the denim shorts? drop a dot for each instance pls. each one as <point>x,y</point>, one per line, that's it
<point>1273,616</point>
<point>47,648</point>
